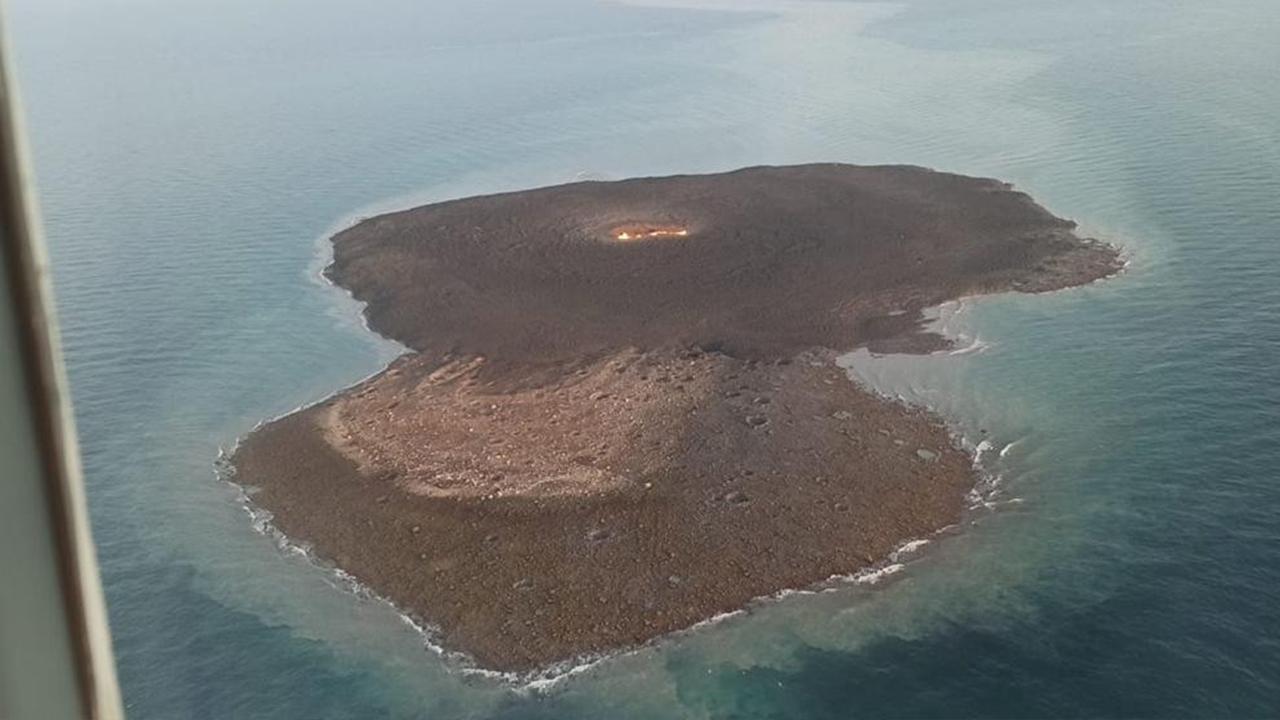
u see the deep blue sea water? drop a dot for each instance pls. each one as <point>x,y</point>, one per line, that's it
<point>192,156</point>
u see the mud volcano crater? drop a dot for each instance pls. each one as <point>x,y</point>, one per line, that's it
<point>634,232</point>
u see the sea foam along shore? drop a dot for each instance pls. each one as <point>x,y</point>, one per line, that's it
<point>548,678</point>
<point>543,679</point>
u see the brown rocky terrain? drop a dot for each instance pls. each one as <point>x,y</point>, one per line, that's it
<point>622,413</point>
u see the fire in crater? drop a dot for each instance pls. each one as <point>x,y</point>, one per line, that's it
<point>644,232</point>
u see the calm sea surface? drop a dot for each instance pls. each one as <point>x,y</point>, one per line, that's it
<point>193,155</point>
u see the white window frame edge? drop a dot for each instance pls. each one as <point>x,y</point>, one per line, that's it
<point>30,300</point>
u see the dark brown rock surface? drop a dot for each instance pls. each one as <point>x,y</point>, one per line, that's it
<point>602,440</point>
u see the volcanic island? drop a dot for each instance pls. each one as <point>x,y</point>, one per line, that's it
<point>621,413</point>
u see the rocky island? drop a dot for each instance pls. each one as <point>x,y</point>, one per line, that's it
<point>622,415</point>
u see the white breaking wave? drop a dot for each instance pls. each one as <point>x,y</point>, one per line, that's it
<point>977,345</point>
<point>907,548</point>
<point>871,576</point>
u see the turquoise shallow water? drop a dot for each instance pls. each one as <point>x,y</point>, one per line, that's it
<point>192,156</point>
